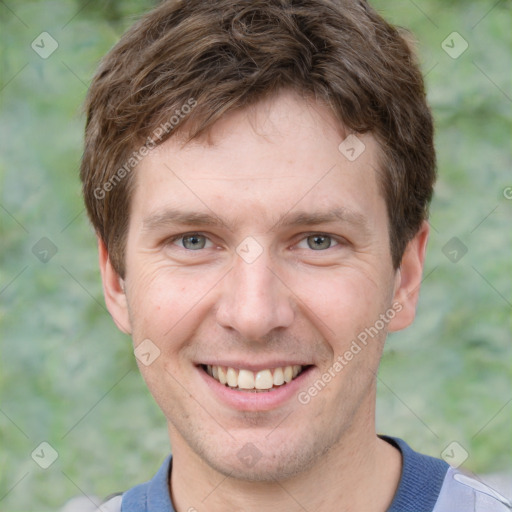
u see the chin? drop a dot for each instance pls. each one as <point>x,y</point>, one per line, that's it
<point>282,468</point>
<point>266,462</point>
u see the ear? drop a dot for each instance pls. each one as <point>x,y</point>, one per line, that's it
<point>113,290</point>
<point>408,279</point>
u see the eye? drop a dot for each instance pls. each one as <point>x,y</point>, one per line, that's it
<point>193,242</point>
<point>319,242</point>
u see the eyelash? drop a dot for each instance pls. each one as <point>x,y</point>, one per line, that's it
<point>338,241</point>
<point>173,239</point>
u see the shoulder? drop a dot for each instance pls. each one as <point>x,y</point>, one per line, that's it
<point>93,504</point>
<point>429,484</point>
<point>464,492</point>
<point>112,505</point>
<point>152,495</point>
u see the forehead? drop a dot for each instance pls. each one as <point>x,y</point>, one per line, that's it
<point>260,164</point>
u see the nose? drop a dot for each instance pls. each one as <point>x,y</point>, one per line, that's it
<point>255,301</point>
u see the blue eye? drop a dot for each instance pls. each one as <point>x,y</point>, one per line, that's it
<point>319,242</point>
<point>193,242</point>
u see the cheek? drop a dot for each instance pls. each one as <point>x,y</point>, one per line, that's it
<point>345,300</point>
<point>165,308</point>
<point>159,297</point>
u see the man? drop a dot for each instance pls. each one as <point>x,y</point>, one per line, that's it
<point>258,174</point>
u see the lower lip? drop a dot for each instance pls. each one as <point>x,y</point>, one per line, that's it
<point>252,401</point>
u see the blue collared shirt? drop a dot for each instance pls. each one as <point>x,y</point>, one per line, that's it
<point>427,484</point>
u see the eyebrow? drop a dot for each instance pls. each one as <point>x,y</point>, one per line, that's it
<point>308,218</point>
<point>181,217</point>
<point>297,218</point>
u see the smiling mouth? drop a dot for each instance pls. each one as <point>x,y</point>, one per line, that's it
<point>262,381</point>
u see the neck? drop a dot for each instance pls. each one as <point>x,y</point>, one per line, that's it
<point>360,472</point>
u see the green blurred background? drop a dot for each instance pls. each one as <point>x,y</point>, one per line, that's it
<point>68,377</point>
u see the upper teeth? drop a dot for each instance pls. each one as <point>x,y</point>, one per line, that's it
<point>247,379</point>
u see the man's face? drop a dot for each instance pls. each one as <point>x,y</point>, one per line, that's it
<point>266,249</point>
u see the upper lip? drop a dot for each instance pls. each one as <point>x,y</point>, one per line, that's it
<point>255,367</point>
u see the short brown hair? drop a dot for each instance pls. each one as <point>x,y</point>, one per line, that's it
<point>223,55</point>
